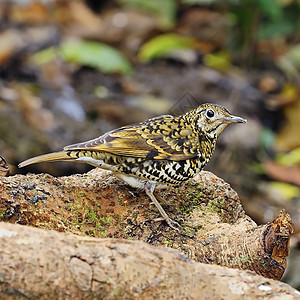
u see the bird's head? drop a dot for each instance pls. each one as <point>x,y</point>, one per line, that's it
<point>212,119</point>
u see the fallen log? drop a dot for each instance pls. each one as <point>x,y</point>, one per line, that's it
<point>45,264</point>
<point>216,229</point>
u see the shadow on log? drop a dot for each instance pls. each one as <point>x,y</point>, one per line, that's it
<point>215,227</point>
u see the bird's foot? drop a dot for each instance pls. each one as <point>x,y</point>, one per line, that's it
<point>173,224</point>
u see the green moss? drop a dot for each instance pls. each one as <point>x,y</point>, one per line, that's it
<point>221,203</point>
<point>216,206</point>
<point>168,243</point>
<point>241,259</point>
<point>106,220</point>
<point>117,220</point>
<point>98,222</point>
<point>87,217</point>
<point>2,213</point>
<point>67,208</point>
<point>92,216</point>
<point>244,259</point>
<point>118,291</point>
<point>120,201</point>
<point>94,203</point>
<point>189,231</point>
<point>75,207</point>
<point>65,221</point>
<point>79,195</point>
<point>193,198</point>
<point>102,234</point>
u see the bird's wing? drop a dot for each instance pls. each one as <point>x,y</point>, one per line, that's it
<point>163,137</point>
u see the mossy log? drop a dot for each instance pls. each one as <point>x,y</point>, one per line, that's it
<point>216,229</point>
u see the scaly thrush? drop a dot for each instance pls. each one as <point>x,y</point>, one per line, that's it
<point>158,152</point>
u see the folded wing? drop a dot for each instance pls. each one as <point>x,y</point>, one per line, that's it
<point>159,138</point>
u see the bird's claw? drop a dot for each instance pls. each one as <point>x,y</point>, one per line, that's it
<point>173,224</point>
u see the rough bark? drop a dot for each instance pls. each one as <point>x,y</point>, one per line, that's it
<point>4,169</point>
<point>215,227</point>
<point>44,264</point>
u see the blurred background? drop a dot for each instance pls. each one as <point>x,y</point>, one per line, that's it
<point>72,70</point>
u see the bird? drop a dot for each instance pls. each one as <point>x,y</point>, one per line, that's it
<point>157,153</point>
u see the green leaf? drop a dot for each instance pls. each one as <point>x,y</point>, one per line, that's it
<point>271,8</point>
<point>92,54</point>
<point>97,55</point>
<point>288,191</point>
<point>289,62</point>
<point>44,56</point>
<point>275,29</point>
<point>289,159</point>
<point>163,44</point>
<point>294,55</point>
<point>257,168</point>
<point>198,2</point>
<point>267,138</point>
<point>220,61</point>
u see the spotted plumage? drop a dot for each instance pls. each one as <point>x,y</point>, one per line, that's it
<point>158,152</point>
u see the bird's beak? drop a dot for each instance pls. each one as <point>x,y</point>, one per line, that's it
<point>234,119</point>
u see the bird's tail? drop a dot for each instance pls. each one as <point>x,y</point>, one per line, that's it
<point>62,155</point>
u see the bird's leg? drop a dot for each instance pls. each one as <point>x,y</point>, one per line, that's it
<point>160,199</point>
<point>149,189</point>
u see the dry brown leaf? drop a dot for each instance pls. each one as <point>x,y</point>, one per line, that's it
<point>10,42</point>
<point>24,40</point>
<point>86,18</point>
<point>32,110</point>
<point>290,174</point>
<point>206,25</point>
<point>268,83</point>
<point>33,13</point>
<point>290,94</point>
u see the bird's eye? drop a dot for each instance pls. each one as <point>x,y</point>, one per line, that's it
<point>210,113</point>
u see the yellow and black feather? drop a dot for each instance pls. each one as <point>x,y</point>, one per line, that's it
<point>162,137</point>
